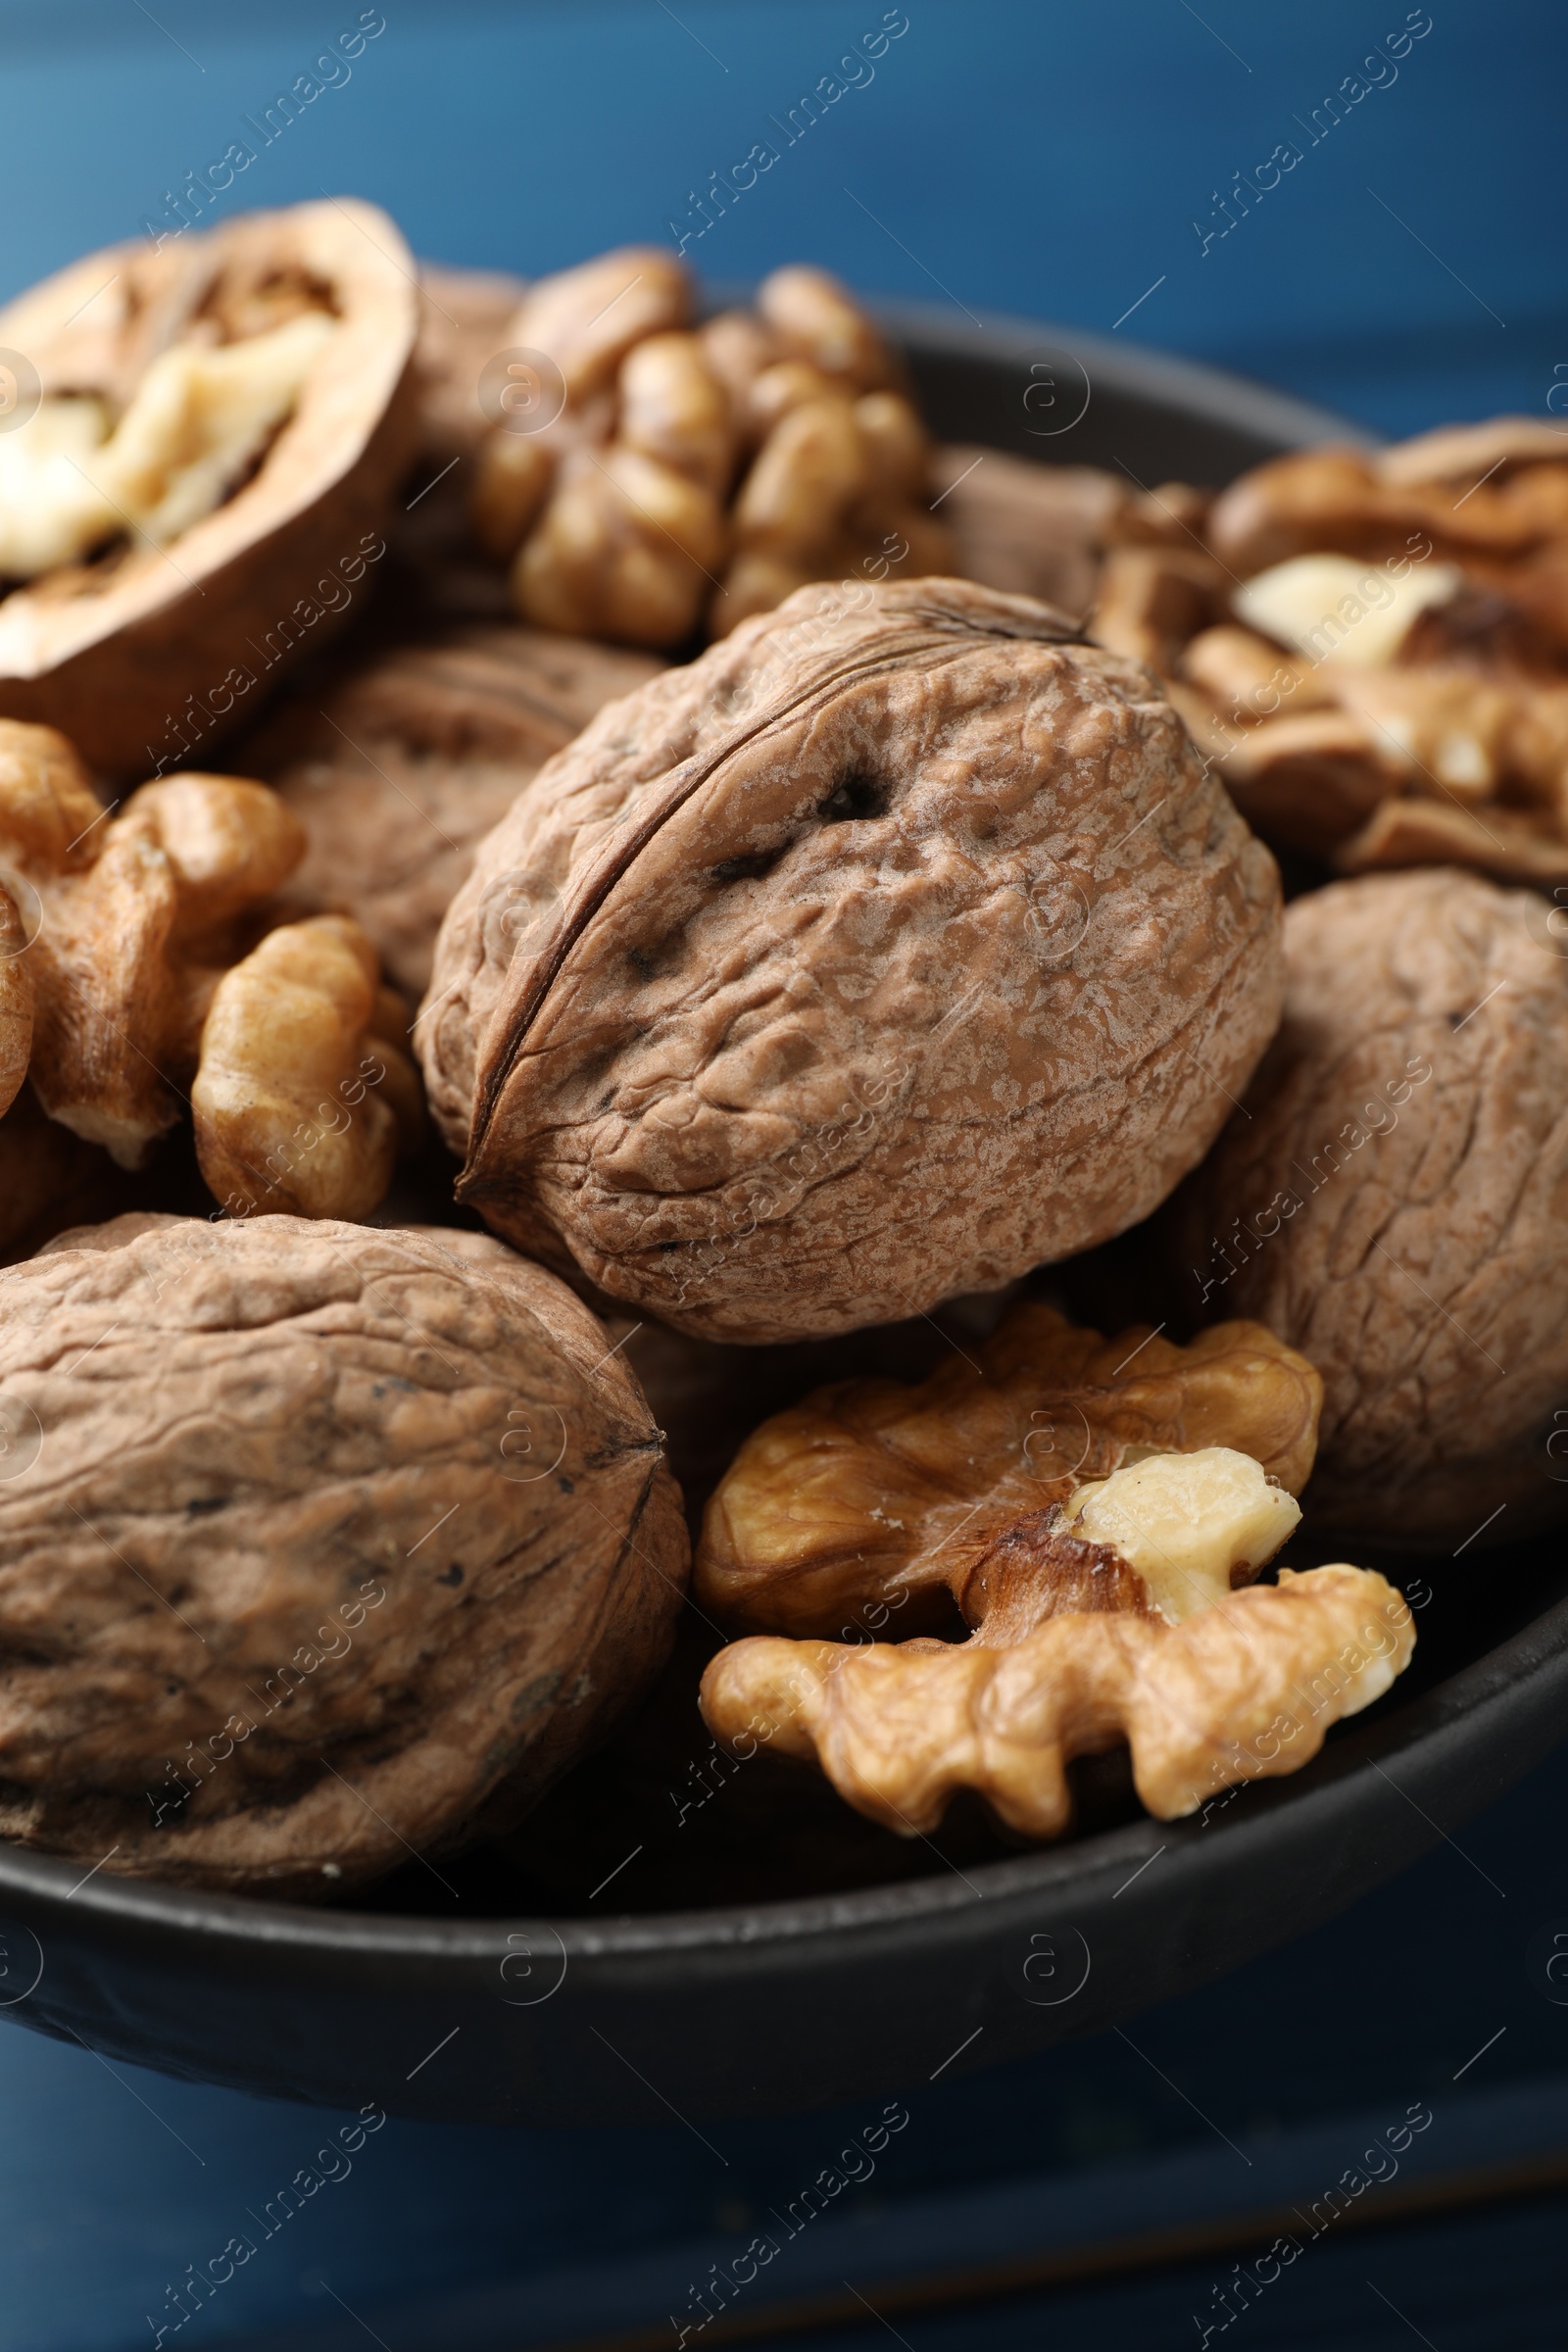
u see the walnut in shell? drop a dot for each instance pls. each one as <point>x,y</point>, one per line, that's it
<point>328,1542</point>
<point>1091,1506</point>
<point>221,422</point>
<point>464,319</point>
<point>1034,530</point>
<point>1395,1203</point>
<point>399,769</point>
<point>894,946</point>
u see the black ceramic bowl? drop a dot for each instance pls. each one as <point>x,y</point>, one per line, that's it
<point>664,1939</point>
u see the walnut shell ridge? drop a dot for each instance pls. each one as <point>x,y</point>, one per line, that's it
<point>898,944</point>
<point>319,1544</point>
<point>1395,1204</point>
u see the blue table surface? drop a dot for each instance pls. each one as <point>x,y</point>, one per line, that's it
<point>1074,163</point>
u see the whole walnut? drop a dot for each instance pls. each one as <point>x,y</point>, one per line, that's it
<point>895,945</point>
<point>319,1546</point>
<point>404,761</point>
<point>1393,1201</point>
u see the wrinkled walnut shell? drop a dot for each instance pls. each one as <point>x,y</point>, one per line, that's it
<point>895,945</point>
<point>115,655</point>
<point>465,319</point>
<point>393,1510</point>
<point>1034,530</point>
<point>1395,1203</point>
<point>406,764</point>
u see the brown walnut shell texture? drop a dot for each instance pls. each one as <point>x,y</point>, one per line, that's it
<point>1031,529</point>
<point>113,655</point>
<point>401,767</point>
<point>464,318</point>
<point>894,946</point>
<point>243,1432</point>
<point>1424,1263</point>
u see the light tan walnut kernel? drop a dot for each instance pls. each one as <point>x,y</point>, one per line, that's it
<point>1398,696</point>
<point>1246,1689</point>
<point>613,512</point>
<point>586,320</point>
<point>514,478</point>
<point>301,1092</point>
<point>127,918</point>
<point>1095,1509</point>
<point>880,1503</point>
<point>673,407</point>
<point>626,549</point>
<point>814,318</point>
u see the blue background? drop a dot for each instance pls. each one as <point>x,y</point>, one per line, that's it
<point>1048,160</point>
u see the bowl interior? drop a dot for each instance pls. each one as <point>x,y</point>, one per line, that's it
<point>655,1855</point>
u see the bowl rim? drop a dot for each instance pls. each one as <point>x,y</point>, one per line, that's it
<point>1422,1735</point>
<point>1140,372</point>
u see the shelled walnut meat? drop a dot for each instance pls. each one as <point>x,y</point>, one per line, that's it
<point>303,1098</point>
<point>126,991</point>
<point>333,1544</point>
<point>1095,1509</point>
<point>219,421</point>
<point>120,924</point>
<point>1392,1199</point>
<point>1372,647</point>
<point>892,947</point>
<point>648,474</point>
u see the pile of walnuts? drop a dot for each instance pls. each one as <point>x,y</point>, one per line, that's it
<point>912,937</point>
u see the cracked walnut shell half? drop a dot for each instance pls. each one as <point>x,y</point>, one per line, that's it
<point>218,422</point>
<point>324,1541</point>
<point>1092,1507</point>
<point>892,947</point>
